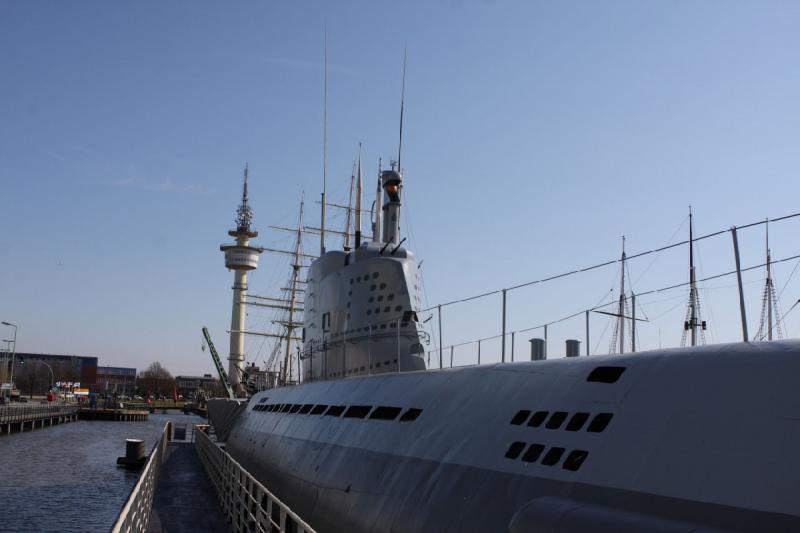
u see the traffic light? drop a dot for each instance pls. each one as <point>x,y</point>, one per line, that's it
<point>21,361</point>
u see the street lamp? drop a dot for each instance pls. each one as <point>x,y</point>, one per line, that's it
<point>14,353</point>
<point>4,374</point>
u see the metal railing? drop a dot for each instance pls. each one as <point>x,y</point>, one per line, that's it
<point>135,514</point>
<point>247,504</point>
<point>12,414</point>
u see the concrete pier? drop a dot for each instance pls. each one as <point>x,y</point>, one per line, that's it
<point>18,418</point>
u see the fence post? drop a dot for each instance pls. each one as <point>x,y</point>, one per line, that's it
<point>739,280</point>
<point>440,339</point>
<point>503,349</point>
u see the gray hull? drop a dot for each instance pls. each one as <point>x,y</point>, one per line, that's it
<point>691,440</point>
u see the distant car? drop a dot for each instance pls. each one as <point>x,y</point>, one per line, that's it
<point>22,399</point>
<point>138,398</point>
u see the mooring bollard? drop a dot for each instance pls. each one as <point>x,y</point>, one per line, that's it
<point>134,454</point>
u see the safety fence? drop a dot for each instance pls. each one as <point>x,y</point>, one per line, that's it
<point>246,503</point>
<point>135,514</point>
<point>12,414</point>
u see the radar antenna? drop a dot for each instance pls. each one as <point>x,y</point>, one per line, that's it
<point>244,214</point>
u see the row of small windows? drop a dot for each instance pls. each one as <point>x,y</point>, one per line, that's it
<point>360,370</point>
<point>380,412</point>
<point>557,418</point>
<point>386,309</point>
<point>573,462</point>
<point>365,277</point>
<point>390,325</point>
<point>389,297</point>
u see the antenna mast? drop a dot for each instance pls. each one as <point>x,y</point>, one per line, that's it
<point>349,215</point>
<point>693,320</point>
<point>402,105</point>
<point>358,201</point>
<point>324,143</point>
<point>621,309</point>
<point>769,304</point>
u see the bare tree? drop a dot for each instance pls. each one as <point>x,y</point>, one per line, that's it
<point>156,379</point>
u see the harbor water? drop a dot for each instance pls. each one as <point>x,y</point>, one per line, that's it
<point>65,477</point>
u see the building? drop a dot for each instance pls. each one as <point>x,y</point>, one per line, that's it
<point>197,386</point>
<point>116,380</point>
<point>35,372</point>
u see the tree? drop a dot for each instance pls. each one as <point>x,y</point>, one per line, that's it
<point>157,380</point>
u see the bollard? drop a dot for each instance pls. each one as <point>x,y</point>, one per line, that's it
<point>134,454</point>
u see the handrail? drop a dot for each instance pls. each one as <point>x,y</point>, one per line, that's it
<point>25,413</point>
<point>247,504</point>
<point>135,514</point>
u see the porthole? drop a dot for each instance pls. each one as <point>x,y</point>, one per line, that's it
<point>387,309</point>
<point>411,414</point>
<point>383,286</point>
<point>383,326</point>
<point>380,298</point>
<point>537,418</point>
<point>390,297</point>
<point>556,419</point>
<point>520,417</point>
<point>577,421</point>
<point>371,299</point>
<point>552,456</point>
<point>515,449</point>
<point>377,309</point>
<point>533,452</point>
<point>599,422</point>
<point>374,275</point>
<point>397,308</point>
<point>385,413</point>
<point>575,459</point>
<point>372,287</point>
<point>369,311</point>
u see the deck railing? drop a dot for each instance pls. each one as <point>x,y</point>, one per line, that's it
<point>11,414</point>
<point>247,504</point>
<point>135,514</point>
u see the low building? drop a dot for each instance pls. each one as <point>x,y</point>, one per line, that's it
<point>197,386</point>
<point>116,380</point>
<point>35,372</point>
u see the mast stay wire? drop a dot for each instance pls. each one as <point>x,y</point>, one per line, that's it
<point>610,262</point>
<point>612,302</point>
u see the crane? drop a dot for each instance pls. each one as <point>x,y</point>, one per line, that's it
<point>223,376</point>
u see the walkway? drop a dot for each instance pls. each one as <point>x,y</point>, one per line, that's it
<point>185,499</point>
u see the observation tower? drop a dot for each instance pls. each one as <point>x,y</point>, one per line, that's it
<point>241,258</point>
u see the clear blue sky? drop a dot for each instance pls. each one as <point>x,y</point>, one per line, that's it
<point>537,133</point>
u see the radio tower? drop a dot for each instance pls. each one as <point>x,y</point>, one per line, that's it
<point>240,257</point>
<point>769,305</point>
<point>693,321</point>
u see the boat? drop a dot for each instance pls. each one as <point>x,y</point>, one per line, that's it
<point>702,438</point>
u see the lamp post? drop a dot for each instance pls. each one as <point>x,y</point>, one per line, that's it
<point>14,353</point>
<point>4,375</point>
<point>52,379</point>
